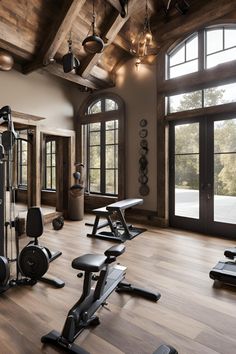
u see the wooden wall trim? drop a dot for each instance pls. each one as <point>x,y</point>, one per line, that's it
<point>228,108</point>
<point>199,80</point>
<point>26,116</point>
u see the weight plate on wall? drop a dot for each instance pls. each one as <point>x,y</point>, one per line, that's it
<point>143,123</point>
<point>144,190</point>
<point>143,162</point>
<point>143,179</point>
<point>143,151</point>
<point>144,171</point>
<point>143,133</point>
<point>144,143</point>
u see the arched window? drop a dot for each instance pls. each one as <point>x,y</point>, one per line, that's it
<point>102,142</point>
<point>198,53</point>
<point>202,50</point>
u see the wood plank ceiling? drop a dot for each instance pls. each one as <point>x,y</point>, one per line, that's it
<point>36,31</point>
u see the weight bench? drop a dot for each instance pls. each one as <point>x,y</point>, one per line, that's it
<point>119,230</point>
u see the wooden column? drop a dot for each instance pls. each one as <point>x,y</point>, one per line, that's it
<point>162,147</point>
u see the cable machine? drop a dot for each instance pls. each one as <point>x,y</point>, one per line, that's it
<point>32,262</point>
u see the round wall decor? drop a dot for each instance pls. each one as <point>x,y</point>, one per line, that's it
<point>143,161</point>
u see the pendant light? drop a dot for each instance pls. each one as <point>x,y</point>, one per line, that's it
<point>93,44</point>
<point>69,61</point>
<point>6,61</point>
<point>144,41</point>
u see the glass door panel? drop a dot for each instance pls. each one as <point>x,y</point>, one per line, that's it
<point>186,170</point>
<point>225,171</point>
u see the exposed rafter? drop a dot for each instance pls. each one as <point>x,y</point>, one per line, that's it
<point>199,16</point>
<point>100,80</point>
<point>110,33</point>
<point>57,36</point>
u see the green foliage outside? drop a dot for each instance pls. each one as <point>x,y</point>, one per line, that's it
<point>187,145</point>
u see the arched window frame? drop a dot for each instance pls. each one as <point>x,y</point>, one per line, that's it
<point>82,121</point>
<point>202,48</point>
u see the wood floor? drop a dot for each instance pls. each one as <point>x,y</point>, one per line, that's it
<point>191,315</point>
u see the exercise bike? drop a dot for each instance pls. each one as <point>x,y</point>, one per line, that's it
<point>82,314</point>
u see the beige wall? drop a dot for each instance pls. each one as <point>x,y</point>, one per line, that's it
<point>49,97</point>
<point>39,94</point>
<point>138,90</point>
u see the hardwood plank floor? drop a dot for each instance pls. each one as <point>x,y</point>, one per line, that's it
<point>192,314</point>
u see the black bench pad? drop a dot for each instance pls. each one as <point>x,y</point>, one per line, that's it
<point>89,262</point>
<point>115,251</point>
<point>124,204</point>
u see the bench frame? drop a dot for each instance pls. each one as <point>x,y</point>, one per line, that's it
<point>119,230</point>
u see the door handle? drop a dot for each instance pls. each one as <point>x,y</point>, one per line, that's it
<point>209,191</point>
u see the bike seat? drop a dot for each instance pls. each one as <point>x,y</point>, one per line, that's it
<point>89,262</point>
<point>115,251</point>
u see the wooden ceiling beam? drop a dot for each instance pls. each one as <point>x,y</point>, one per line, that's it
<point>109,34</point>
<point>199,15</point>
<point>16,51</point>
<point>58,34</point>
<point>57,70</point>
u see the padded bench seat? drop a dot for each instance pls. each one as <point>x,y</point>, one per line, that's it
<point>89,262</point>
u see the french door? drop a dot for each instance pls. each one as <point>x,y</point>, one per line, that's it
<point>203,175</point>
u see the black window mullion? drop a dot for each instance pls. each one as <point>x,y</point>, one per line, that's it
<point>103,157</point>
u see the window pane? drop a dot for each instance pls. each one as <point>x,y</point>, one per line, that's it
<point>48,147</point>
<point>187,138</point>
<point>225,136</point>
<point>116,156</point>
<point>48,161</point>
<point>94,138</point>
<point>110,124</point>
<point>53,146</point>
<point>183,69</point>
<point>24,157</point>
<point>48,178</point>
<point>94,179</point>
<point>225,188</point>
<point>214,40</point>
<point>192,48</point>
<point>116,180</point>
<point>110,180</point>
<point>187,186</point>
<point>230,38</point>
<point>222,57</point>
<point>95,156</point>
<point>219,95</point>
<point>110,162</point>
<point>110,137</point>
<point>53,160</point>
<point>94,126</point>
<point>24,175</point>
<point>95,108</point>
<point>53,178</point>
<point>110,105</point>
<point>185,101</point>
<point>178,56</point>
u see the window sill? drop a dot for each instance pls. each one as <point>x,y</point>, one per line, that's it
<point>48,190</point>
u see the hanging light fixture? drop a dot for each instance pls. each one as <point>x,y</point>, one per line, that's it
<point>144,40</point>
<point>69,61</point>
<point>6,61</point>
<point>93,44</point>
